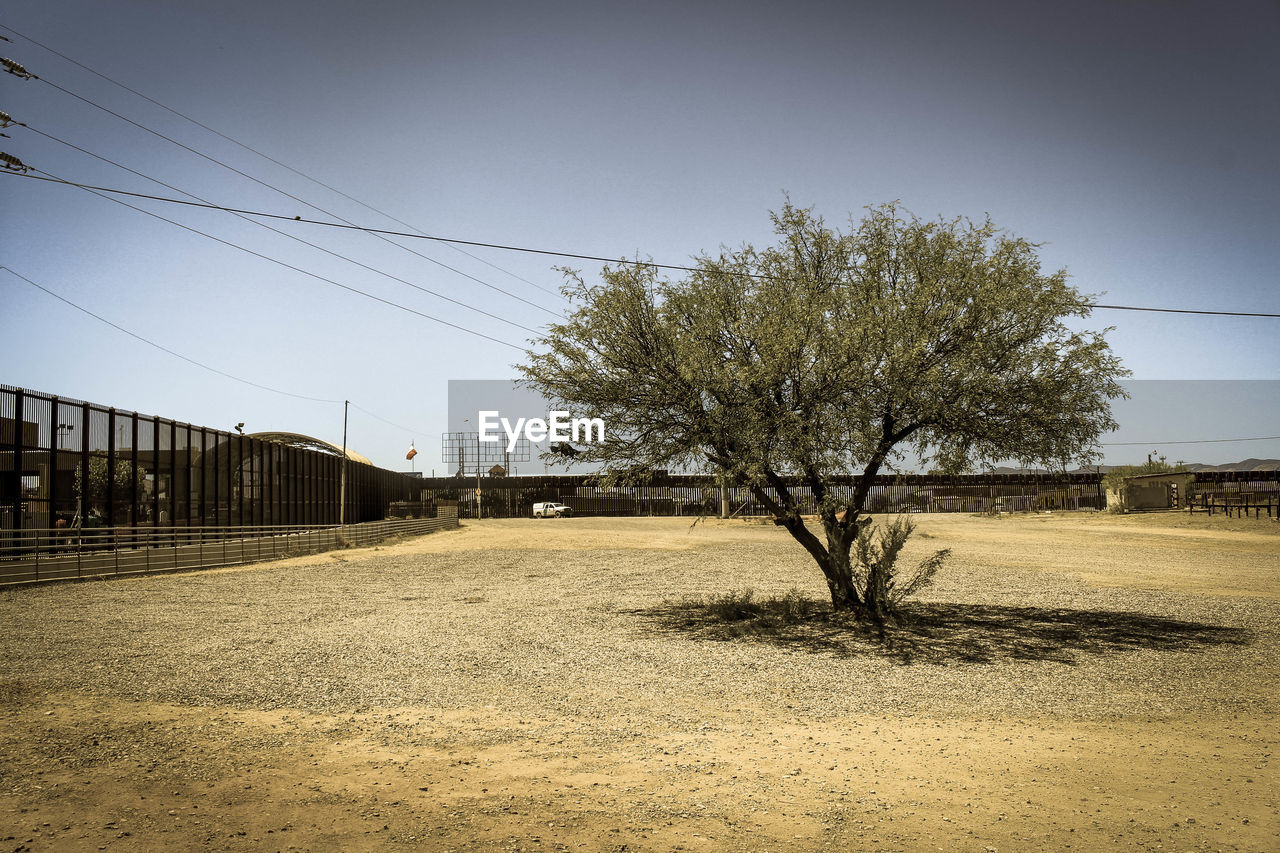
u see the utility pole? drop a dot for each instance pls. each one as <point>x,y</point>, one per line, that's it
<point>724,496</point>
<point>342,489</point>
<point>479,456</point>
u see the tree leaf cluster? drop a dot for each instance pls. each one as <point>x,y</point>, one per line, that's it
<point>834,352</point>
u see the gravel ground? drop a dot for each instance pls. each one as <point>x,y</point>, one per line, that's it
<point>605,632</point>
<point>520,681</point>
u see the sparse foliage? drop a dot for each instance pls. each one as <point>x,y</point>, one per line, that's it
<point>764,614</point>
<point>831,353</point>
<point>733,606</point>
<point>876,558</point>
<point>1156,464</point>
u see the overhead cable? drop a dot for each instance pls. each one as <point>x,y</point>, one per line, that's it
<point>295,238</point>
<point>223,373</point>
<point>1200,441</point>
<point>374,232</point>
<point>387,422</point>
<point>193,361</point>
<point>574,255</point>
<point>317,276</point>
<point>161,347</point>
<point>267,157</point>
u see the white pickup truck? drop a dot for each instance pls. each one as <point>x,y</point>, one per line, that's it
<point>551,510</point>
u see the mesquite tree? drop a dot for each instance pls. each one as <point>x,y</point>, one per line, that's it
<point>830,353</point>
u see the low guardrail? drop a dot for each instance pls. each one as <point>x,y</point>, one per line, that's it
<point>30,556</point>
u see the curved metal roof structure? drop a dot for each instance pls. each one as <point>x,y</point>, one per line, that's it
<point>306,442</point>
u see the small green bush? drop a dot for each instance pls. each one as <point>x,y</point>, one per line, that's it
<point>733,606</point>
<point>876,560</point>
<point>1114,478</point>
<point>775,611</point>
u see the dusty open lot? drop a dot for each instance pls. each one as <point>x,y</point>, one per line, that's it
<point>1076,682</point>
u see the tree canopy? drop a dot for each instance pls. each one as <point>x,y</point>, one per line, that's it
<point>829,354</point>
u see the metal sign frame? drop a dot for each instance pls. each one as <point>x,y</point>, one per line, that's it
<point>466,455</point>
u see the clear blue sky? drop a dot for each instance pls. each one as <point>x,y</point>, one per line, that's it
<point>1136,140</point>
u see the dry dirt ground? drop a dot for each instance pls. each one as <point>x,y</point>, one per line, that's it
<point>1072,682</point>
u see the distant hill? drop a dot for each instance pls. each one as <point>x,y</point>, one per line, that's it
<point>1004,469</point>
<point>1246,465</point>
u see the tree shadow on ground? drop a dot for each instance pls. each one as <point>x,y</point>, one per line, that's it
<point>939,633</point>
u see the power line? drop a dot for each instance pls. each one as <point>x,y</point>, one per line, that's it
<point>576,256</point>
<point>223,373</point>
<point>389,423</point>
<point>378,234</point>
<point>417,233</point>
<point>1185,311</point>
<point>253,150</point>
<point>1203,441</point>
<point>304,272</point>
<point>160,347</point>
<point>193,361</point>
<point>288,235</point>
<point>371,230</point>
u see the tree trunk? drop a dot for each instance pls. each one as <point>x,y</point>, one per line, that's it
<point>869,603</point>
<point>839,571</point>
<point>833,559</point>
<point>875,602</point>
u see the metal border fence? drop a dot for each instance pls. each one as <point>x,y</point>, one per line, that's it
<point>666,495</point>
<point>1237,493</point>
<point>514,497</point>
<point>1239,506</point>
<point>67,463</point>
<point>1237,486</point>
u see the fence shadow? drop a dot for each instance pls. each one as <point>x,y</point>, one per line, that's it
<point>942,633</point>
